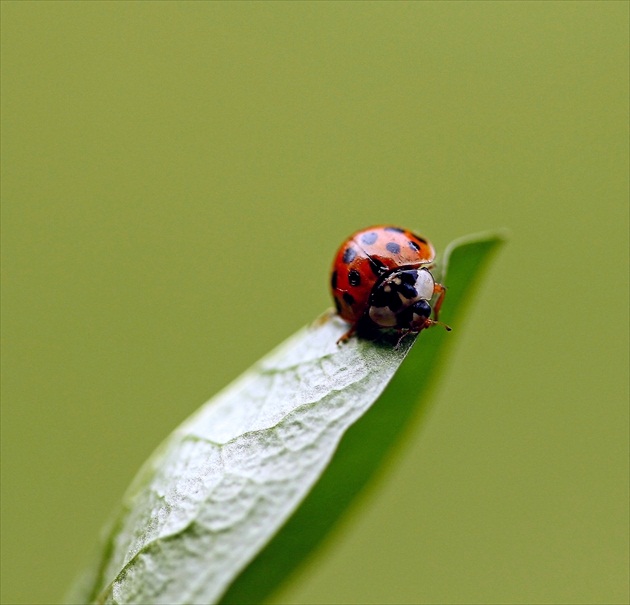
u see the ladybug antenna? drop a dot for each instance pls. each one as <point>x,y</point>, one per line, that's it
<point>434,322</point>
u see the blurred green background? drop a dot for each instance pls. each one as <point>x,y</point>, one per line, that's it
<point>176,180</point>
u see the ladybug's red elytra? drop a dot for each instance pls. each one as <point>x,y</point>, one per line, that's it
<point>381,278</point>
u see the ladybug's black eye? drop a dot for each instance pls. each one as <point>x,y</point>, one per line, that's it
<point>422,308</point>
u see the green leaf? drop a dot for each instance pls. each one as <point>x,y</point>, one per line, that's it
<point>225,508</point>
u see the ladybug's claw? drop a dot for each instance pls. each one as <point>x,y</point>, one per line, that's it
<point>433,322</point>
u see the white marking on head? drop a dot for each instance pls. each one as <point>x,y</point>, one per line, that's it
<point>383,316</point>
<point>425,284</point>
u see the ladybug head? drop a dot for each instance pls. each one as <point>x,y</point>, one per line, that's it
<point>417,316</point>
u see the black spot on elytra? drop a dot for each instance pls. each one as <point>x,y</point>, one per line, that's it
<point>393,247</point>
<point>394,229</point>
<point>338,305</point>
<point>378,267</point>
<point>369,238</point>
<point>354,277</point>
<point>333,280</point>
<point>349,255</point>
<point>348,298</point>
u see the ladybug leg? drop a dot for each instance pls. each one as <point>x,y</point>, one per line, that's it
<point>346,337</point>
<point>441,291</point>
<point>403,334</point>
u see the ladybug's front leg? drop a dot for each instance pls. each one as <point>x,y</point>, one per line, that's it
<point>346,337</point>
<point>441,291</point>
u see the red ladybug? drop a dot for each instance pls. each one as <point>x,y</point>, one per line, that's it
<point>381,279</point>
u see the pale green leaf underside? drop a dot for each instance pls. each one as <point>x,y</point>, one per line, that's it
<point>215,493</point>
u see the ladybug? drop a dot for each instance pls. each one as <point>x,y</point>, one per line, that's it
<point>381,279</point>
